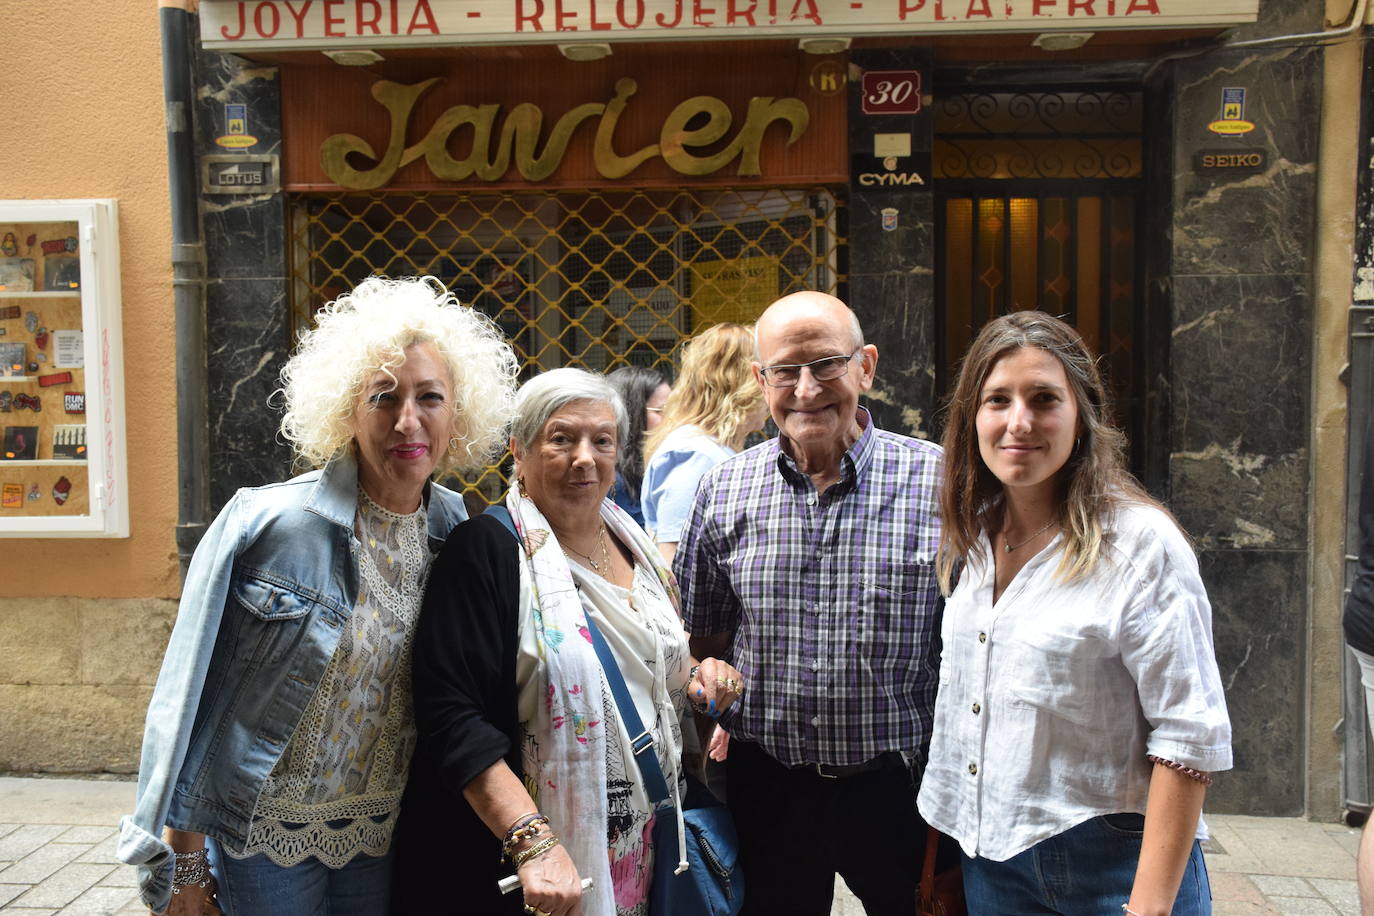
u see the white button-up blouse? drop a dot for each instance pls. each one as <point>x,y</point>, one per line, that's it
<point>1050,698</point>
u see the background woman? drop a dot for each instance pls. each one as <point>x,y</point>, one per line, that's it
<point>714,405</point>
<point>522,751</point>
<point>643,392</point>
<point>280,731</point>
<point>1077,649</point>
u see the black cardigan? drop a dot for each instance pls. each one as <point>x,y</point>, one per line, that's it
<point>447,861</point>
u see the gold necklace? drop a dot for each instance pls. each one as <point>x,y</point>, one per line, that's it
<point>1008,546</point>
<point>604,567</point>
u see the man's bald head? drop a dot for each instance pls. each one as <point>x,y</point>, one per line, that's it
<point>805,305</point>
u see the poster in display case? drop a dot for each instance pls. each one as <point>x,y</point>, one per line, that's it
<point>63,465</point>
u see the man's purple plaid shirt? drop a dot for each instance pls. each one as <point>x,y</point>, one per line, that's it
<point>832,599</point>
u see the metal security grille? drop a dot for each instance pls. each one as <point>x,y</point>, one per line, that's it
<point>594,279</point>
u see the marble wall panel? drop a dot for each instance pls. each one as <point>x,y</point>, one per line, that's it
<point>245,236</point>
<point>1241,360</point>
<point>1258,601</point>
<point>1240,366</point>
<point>247,311</point>
<point>1240,292</point>
<point>1247,224</point>
<point>248,345</point>
<point>896,313</point>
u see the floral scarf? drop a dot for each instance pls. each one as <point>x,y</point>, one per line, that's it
<point>567,742</point>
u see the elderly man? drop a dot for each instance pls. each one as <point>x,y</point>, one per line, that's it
<point>807,562</point>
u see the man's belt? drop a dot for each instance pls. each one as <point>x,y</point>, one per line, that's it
<point>884,761</point>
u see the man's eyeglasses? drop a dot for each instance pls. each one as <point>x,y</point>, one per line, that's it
<point>825,369</point>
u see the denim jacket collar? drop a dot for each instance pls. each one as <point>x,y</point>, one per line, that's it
<point>335,497</point>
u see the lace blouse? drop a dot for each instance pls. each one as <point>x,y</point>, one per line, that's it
<point>336,790</point>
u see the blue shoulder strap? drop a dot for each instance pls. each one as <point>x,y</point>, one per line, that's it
<point>641,741</point>
<point>502,515</point>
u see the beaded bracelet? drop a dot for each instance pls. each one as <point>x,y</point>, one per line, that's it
<point>1191,773</point>
<point>525,828</point>
<point>191,868</point>
<point>538,849</point>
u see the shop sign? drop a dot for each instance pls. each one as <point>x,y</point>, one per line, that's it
<point>236,134</point>
<point>288,24</point>
<point>894,92</point>
<point>516,137</point>
<point>239,174</point>
<point>891,165</point>
<point>1218,162</point>
<point>1231,122</point>
<point>732,289</point>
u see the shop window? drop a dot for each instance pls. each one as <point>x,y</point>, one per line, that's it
<point>62,458</point>
<point>595,280</point>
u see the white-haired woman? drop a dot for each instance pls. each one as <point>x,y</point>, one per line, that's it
<point>279,734</point>
<point>523,752</point>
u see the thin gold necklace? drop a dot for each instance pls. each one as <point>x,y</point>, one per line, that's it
<point>604,567</point>
<point>1008,546</point>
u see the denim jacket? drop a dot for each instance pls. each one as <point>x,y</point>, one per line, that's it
<point>268,591</point>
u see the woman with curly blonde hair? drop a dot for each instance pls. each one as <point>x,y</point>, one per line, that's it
<point>714,405</point>
<point>280,731</point>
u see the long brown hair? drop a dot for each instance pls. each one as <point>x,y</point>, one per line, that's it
<point>1094,480</point>
<point>715,390</point>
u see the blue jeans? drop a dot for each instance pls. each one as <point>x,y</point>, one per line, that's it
<point>256,886</point>
<point>1087,870</point>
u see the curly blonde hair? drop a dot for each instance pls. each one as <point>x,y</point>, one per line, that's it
<point>370,329</point>
<point>716,390</point>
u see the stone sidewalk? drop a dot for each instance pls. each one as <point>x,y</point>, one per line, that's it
<point>57,841</point>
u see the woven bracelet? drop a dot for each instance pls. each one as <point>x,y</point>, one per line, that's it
<point>1191,773</point>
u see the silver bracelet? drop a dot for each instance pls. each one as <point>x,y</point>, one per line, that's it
<point>1126,908</point>
<point>191,868</point>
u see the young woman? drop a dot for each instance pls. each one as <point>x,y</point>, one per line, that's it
<point>714,405</point>
<point>1080,708</point>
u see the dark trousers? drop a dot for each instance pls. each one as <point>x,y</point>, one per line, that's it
<point>797,829</point>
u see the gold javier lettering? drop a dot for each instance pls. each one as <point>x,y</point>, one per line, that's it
<point>518,136</point>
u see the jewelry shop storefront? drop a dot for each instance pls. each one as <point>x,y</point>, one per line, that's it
<point>606,177</point>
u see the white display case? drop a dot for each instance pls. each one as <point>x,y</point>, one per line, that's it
<point>63,462</point>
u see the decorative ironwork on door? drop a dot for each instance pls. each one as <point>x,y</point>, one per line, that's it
<point>1037,206</point>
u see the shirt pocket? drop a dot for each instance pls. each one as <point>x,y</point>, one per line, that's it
<point>894,619</point>
<point>1053,672</point>
<point>886,581</point>
<point>270,618</point>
